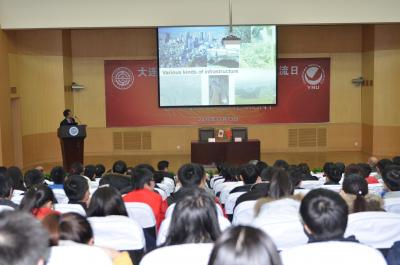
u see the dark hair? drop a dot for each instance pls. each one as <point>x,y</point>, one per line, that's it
<point>57,175</point>
<point>281,163</point>
<point>296,175</point>
<point>249,173</point>
<point>325,214</point>
<point>357,185</point>
<point>396,160</point>
<point>230,173</point>
<point>244,245</point>
<point>3,170</point>
<point>383,163</point>
<point>141,177</point>
<point>100,169</point>
<point>66,112</point>
<point>90,171</point>
<point>391,177</point>
<point>162,165</point>
<point>260,166</point>
<point>304,168</point>
<point>5,186</point>
<point>365,169</point>
<point>68,226</point>
<point>190,175</point>
<point>16,175</point>
<point>106,201</point>
<point>353,169</point>
<point>333,172</point>
<point>119,167</point>
<point>158,176</point>
<point>118,181</point>
<point>267,173</point>
<point>76,168</point>
<point>75,188</point>
<point>194,219</point>
<point>36,197</point>
<point>147,166</point>
<point>24,240</point>
<point>33,177</point>
<point>281,185</point>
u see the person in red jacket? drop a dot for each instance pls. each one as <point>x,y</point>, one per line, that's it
<point>39,201</point>
<point>143,191</point>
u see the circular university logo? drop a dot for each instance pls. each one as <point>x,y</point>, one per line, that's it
<point>313,75</point>
<point>122,78</point>
<point>73,131</point>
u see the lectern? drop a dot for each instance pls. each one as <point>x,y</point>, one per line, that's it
<point>72,142</point>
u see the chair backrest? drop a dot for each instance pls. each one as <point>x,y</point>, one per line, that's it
<point>6,208</point>
<point>332,253</point>
<point>231,201</point>
<point>243,214</point>
<point>69,208</point>
<point>213,179</point>
<point>17,196</point>
<point>193,254</point>
<point>375,188</point>
<point>281,220</point>
<point>392,205</point>
<point>311,184</point>
<point>117,232</point>
<point>170,210</point>
<point>375,229</point>
<point>60,195</point>
<point>170,184</point>
<point>227,188</point>
<point>165,187</point>
<point>162,193</point>
<point>141,213</point>
<point>218,185</point>
<point>164,228</point>
<point>78,254</point>
<point>336,188</point>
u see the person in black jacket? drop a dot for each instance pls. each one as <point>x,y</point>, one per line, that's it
<point>68,118</point>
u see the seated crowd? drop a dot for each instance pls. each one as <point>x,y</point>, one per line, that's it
<point>251,214</point>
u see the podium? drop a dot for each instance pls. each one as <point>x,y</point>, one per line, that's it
<point>72,142</point>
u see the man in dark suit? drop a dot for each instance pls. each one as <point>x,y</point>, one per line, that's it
<point>68,118</point>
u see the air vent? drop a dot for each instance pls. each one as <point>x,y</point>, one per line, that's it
<point>307,137</point>
<point>132,140</point>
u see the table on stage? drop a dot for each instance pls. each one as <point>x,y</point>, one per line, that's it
<point>234,153</point>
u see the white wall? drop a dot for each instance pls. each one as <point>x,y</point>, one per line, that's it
<point>18,14</point>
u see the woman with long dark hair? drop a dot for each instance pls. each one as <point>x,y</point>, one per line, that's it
<point>39,201</point>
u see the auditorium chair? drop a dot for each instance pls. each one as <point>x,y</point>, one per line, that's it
<point>392,205</point>
<point>193,254</point>
<point>231,202</point>
<point>165,187</point>
<point>218,185</point>
<point>164,228</point>
<point>6,208</point>
<point>376,229</point>
<point>162,193</point>
<point>226,189</point>
<point>69,208</point>
<point>375,188</point>
<point>60,196</point>
<point>213,179</point>
<point>311,184</point>
<point>78,254</point>
<point>170,184</point>
<point>17,196</point>
<point>144,216</point>
<point>170,210</point>
<point>332,253</point>
<point>119,233</point>
<point>336,188</point>
<point>244,213</point>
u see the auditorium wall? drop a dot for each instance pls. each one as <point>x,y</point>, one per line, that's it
<point>6,142</point>
<point>43,63</point>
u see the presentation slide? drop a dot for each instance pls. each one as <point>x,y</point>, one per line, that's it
<point>198,69</point>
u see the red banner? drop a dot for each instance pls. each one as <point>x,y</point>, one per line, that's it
<point>132,97</point>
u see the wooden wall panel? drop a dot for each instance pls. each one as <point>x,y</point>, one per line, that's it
<point>41,148</point>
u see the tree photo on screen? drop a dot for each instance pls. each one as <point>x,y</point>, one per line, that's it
<point>197,69</point>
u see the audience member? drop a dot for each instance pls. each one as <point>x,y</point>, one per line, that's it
<point>194,219</point>
<point>372,162</point>
<point>106,201</point>
<point>3,170</point>
<point>244,245</point>
<point>306,172</point>
<point>366,171</point>
<point>39,201</point>
<point>17,177</point>
<point>380,166</point>
<point>33,178</point>
<point>163,166</point>
<point>76,168</point>
<point>121,182</point>
<point>249,176</point>
<point>57,175</point>
<point>143,191</point>
<point>23,239</point>
<point>6,191</point>
<point>391,179</point>
<point>100,169</point>
<point>282,164</point>
<point>119,167</point>
<point>76,188</point>
<point>324,213</point>
<point>90,172</point>
<point>396,160</point>
<point>333,173</point>
<point>260,166</point>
